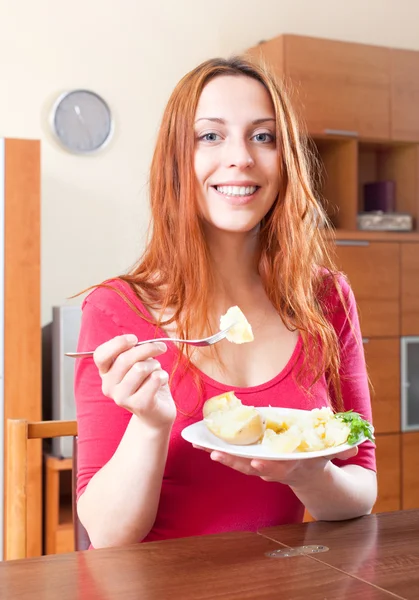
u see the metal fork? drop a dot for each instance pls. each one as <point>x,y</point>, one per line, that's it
<point>209,341</point>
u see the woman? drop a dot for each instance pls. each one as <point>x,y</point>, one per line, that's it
<point>234,223</point>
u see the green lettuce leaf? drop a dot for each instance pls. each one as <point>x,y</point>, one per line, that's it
<point>360,428</point>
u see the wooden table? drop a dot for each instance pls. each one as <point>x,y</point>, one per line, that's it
<point>237,566</point>
<point>381,549</point>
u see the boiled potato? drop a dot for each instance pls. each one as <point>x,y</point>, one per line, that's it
<point>282,443</point>
<point>228,419</point>
<point>276,422</point>
<point>241,332</point>
<point>304,432</point>
<point>225,401</point>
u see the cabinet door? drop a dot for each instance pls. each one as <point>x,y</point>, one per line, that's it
<point>373,271</point>
<point>410,474</point>
<point>410,289</point>
<point>388,473</point>
<point>383,362</point>
<point>404,95</point>
<point>340,87</point>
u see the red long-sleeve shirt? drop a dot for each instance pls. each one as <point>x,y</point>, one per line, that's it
<point>200,496</point>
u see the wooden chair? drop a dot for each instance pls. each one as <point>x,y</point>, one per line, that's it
<point>19,431</point>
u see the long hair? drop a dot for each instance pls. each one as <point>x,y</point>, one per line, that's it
<point>295,264</point>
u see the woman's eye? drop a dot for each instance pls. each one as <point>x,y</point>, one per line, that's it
<point>210,137</point>
<point>265,138</point>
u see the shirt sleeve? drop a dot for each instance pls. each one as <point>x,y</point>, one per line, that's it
<point>101,423</point>
<point>353,371</point>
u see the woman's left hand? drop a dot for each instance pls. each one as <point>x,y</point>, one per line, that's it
<point>289,472</point>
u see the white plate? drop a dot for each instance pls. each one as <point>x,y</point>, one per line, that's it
<point>199,435</point>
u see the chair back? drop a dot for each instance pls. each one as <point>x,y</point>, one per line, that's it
<point>19,431</point>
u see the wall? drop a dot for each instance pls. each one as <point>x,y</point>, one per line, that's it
<point>94,209</point>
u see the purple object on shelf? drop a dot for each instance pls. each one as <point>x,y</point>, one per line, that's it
<point>380,195</point>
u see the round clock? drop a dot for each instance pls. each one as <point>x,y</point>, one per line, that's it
<point>82,121</point>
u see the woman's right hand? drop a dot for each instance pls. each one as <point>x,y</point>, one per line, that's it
<point>134,379</point>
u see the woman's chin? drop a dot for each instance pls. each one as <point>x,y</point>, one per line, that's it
<point>234,228</point>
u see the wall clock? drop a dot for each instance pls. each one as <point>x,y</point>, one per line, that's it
<point>82,121</point>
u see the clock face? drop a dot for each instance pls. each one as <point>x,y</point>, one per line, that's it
<point>82,121</point>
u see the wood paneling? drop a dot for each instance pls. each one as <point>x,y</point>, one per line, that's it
<point>410,471</point>
<point>404,94</point>
<point>338,180</point>
<point>410,289</point>
<point>388,473</point>
<point>22,323</point>
<point>383,361</point>
<point>337,86</point>
<point>374,273</point>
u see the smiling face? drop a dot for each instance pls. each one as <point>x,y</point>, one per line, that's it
<point>236,156</point>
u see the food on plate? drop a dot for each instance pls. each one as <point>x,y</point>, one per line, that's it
<point>281,432</point>
<point>308,431</point>
<point>241,332</point>
<point>225,401</point>
<point>228,419</point>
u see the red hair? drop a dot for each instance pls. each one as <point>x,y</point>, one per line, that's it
<point>295,264</point>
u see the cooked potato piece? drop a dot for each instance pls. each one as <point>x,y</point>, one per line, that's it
<point>241,332</point>
<point>277,422</point>
<point>225,401</point>
<point>304,432</point>
<point>241,425</point>
<point>282,443</point>
<point>336,433</point>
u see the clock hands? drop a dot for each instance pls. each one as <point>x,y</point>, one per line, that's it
<point>82,121</point>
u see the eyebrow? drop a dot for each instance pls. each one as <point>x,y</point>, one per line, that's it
<point>222,121</point>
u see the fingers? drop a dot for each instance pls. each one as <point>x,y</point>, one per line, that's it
<point>347,454</point>
<point>243,465</point>
<point>122,352</point>
<point>201,448</point>
<point>145,398</point>
<point>132,381</point>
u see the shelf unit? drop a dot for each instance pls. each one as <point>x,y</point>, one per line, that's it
<point>58,534</point>
<point>347,164</point>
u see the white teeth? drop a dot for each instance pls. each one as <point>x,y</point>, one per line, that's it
<point>236,190</point>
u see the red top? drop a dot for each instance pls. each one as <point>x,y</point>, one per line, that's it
<point>200,496</point>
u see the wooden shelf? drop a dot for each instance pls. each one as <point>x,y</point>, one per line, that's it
<point>65,513</point>
<point>376,236</point>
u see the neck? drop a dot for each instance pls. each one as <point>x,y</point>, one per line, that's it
<point>235,260</point>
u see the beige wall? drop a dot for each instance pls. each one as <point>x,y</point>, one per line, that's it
<point>94,209</point>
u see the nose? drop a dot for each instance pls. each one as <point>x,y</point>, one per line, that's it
<point>237,154</point>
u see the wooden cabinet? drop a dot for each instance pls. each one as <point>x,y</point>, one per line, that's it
<point>410,289</point>
<point>374,273</point>
<point>337,87</point>
<point>388,472</point>
<point>364,95</point>
<point>358,105</point>
<point>410,471</point>
<point>383,362</point>
<point>404,95</point>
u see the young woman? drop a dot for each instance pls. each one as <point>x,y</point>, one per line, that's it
<point>234,223</point>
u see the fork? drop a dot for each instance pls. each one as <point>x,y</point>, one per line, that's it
<point>208,341</point>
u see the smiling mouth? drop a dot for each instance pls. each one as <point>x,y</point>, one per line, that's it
<point>236,190</point>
